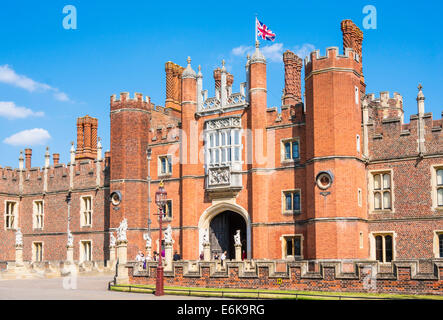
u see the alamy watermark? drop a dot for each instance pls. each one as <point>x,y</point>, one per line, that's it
<point>370,20</point>
<point>70,20</point>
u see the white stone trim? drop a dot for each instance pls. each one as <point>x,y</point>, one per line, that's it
<point>283,244</point>
<point>372,247</point>
<point>159,165</point>
<point>434,169</point>
<point>34,251</point>
<point>435,244</point>
<point>283,160</point>
<point>15,214</point>
<point>82,210</point>
<point>34,206</point>
<point>81,254</point>
<point>283,201</point>
<point>371,190</point>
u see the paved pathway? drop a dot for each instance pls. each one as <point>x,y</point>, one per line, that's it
<point>88,288</point>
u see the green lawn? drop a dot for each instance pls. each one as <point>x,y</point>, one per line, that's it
<point>270,294</point>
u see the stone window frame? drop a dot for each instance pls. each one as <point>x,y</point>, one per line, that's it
<point>82,211</point>
<point>283,141</point>
<point>81,250</point>
<point>168,165</point>
<point>15,214</point>
<point>372,245</point>
<point>283,201</point>
<point>34,214</point>
<point>359,197</point>
<point>34,251</point>
<point>435,187</point>
<point>230,134</point>
<point>283,239</point>
<point>358,143</point>
<point>357,95</point>
<point>436,244</point>
<point>371,174</point>
<point>166,217</point>
<point>361,240</point>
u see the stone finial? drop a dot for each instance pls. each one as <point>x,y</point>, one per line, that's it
<point>72,151</point>
<point>99,149</point>
<point>47,157</point>
<point>257,56</point>
<point>21,160</point>
<point>420,95</point>
<point>199,74</point>
<point>188,72</point>
<point>420,100</point>
<point>223,65</point>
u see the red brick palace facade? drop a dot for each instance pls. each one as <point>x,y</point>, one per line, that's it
<point>336,174</point>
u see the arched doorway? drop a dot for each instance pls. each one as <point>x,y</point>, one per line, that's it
<point>213,211</point>
<point>222,229</point>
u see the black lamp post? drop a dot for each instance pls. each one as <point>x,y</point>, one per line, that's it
<point>160,200</point>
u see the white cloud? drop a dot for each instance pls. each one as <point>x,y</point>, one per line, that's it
<point>241,50</point>
<point>274,52</point>
<point>304,50</point>
<point>36,136</point>
<point>9,110</point>
<point>9,76</point>
<point>61,96</point>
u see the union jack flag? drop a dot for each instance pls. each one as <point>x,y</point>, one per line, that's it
<point>263,31</point>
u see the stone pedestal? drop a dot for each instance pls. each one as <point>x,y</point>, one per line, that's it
<point>70,254</point>
<point>112,260</point>
<point>148,253</point>
<point>207,251</point>
<point>112,254</point>
<point>168,256</point>
<point>238,252</point>
<point>122,256</point>
<point>19,256</point>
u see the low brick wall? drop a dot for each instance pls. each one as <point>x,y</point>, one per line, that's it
<point>403,277</point>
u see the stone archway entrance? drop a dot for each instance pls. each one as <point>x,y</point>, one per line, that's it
<point>234,213</point>
<point>222,229</point>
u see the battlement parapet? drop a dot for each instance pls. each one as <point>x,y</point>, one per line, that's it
<point>289,114</point>
<point>385,100</point>
<point>350,59</point>
<point>161,133</point>
<point>124,101</point>
<point>389,137</point>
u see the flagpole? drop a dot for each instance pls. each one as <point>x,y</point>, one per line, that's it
<point>255,28</point>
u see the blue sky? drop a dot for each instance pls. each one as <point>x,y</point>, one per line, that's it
<point>49,76</point>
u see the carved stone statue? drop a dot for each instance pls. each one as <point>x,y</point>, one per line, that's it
<point>148,241</point>
<point>70,242</point>
<point>168,234</point>
<point>121,231</point>
<point>112,240</point>
<point>18,237</point>
<point>205,238</point>
<point>237,240</point>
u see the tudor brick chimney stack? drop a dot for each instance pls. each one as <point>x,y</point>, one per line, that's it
<point>28,155</point>
<point>293,66</point>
